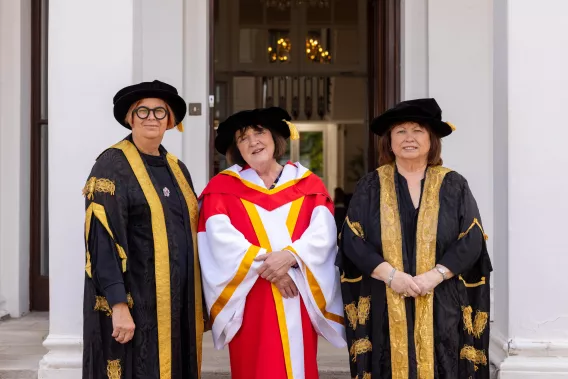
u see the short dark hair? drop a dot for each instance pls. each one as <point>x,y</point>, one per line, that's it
<point>234,155</point>
<point>386,155</point>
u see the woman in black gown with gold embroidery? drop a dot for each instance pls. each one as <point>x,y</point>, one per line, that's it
<point>143,307</point>
<point>413,257</point>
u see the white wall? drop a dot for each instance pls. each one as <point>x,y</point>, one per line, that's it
<point>87,64</point>
<point>538,256</point>
<point>536,92</point>
<point>414,54</point>
<point>15,44</point>
<point>196,90</point>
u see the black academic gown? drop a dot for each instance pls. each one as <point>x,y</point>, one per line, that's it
<point>443,335</point>
<point>140,230</point>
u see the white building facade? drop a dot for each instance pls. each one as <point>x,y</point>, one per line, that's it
<point>497,68</point>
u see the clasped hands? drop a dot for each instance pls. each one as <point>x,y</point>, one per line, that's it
<point>275,268</point>
<point>407,285</point>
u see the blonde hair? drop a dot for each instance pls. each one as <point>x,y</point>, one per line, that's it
<point>171,116</point>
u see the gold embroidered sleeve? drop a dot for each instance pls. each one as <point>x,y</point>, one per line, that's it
<point>355,227</point>
<point>474,223</point>
<point>100,185</point>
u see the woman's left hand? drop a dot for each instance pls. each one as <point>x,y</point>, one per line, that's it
<point>276,264</point>
<point>428,281</point>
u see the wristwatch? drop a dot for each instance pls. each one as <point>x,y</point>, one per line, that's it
<point>442,271</point>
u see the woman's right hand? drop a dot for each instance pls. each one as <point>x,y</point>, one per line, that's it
<point>287,287</point>
<point>404,285</point>
<point>122,323</point>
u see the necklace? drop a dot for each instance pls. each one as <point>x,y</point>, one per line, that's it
<point>276,180</point>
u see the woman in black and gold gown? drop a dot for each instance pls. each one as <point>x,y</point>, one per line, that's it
<point>143,304</point>
<point>413,257</point>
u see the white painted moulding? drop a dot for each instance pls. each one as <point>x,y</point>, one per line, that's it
<point>65,352</point>
<point>532,348</point>
<point>498,348</point>
<point>535,365</point>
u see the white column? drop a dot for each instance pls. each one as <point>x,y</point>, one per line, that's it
<point>414,49</point>
<point>537,90</point>
<point>447,54</point>
<point>158,51</point>
<point>500,326</point>
<point>90,58</point>
<point>15,71</point>
<point>196,90</point>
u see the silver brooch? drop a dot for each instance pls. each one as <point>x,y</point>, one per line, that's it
<point>166,192</point>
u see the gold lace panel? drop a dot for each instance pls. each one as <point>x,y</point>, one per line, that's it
<point>360,346</point>
<point>101,185</point>
<point>351,312</point>
<point>467,319</point>
<point>480,323</point>
<point>363,309</point>
<point>426,232</point>
<point>161,255</point>
<point>193,210</point>
<point>114,371</point>
<point>477,357</point>
<point>101,304</point>
<point>391,240</point>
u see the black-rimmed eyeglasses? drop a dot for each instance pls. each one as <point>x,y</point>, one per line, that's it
<point>143,112</point>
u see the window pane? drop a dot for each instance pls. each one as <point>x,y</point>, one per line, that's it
<point>279,48</point>
<point>311,151</point>
<point>318,49</point>
<point>252,45</point>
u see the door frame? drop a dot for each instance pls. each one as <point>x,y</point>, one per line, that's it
<point>39,285</point>
<point>384,23</point>
<point>383,68</point>
<point>329,132</point>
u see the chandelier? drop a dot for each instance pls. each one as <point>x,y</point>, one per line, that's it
<point>280,53</point>
<point>285,4</point>
<point>314,51</point>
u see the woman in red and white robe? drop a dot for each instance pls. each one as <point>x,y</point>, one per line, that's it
<point>267,246</point>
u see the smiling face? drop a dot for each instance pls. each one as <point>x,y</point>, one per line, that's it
<point>255,144</point>
<point>150,127</point>
<point>410,141</point>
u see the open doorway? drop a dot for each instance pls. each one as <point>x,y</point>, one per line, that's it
<point>309,57</point>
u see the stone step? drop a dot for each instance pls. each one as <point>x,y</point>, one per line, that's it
<point>18,374</point>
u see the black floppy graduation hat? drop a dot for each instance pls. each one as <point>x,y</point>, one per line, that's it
<point>419,110</point>
<point>156,89</point>
<point>274,118</point>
